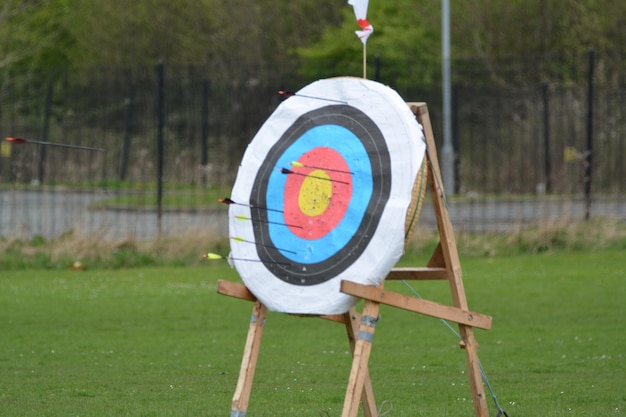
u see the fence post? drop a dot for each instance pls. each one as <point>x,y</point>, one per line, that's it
<point>377,63</point>
<point>547,166</point>
<point>455,138</point>
<point>160,150</point>
<point>589,150</point>
<point>204,117</point>
<point>44,134</point>
<point>130,103</point>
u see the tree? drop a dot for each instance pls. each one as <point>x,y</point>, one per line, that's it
<point>508,41</point>
<point>406,39</point>
<point>536,40</point>
<point>35,33</point>
<point>251,41</point>
<point>235,39</point>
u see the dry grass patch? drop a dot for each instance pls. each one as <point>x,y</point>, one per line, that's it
<point>94,251</point>
<point>558,235</point>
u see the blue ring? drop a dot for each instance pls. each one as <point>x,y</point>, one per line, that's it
<point>344,142</point>
<point>262,196</point>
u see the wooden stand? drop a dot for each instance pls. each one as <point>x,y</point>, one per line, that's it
<point>443,265</point>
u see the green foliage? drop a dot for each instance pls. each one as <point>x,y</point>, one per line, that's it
<point>35,33</point>
<point>535,40</point>
<point>491,40</point>
<point>128,255</point>
<point>239,40</point>
<point>162,342</point>
<point>406,41</point>
<point>244,41</point>
<point>16,254</point>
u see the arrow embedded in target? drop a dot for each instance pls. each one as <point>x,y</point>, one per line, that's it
<point>240,239</point>
<point>301,165</point>
<point>267,221</point>
<point>288,171</point>
<point>216,257</point>
<point>227,200</point>
<point>288,94</point>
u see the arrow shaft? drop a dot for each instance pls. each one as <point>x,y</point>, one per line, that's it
<point>258,207</point>
<point>329,169</point>
<point>238,239</point>
<point>268,221</point>
<point>288,94</point>
<point>287,171</point>
<point>61,145</point>
<point>258,260</point>
<point>229,201</point>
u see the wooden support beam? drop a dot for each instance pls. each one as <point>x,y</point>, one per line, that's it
<point>249,360</point>
<point>360,358</point>
<point>446,255</point>
<point>233,289</point>
<point>352,320</point>
<point>405,302</point>
<point>417,273</point>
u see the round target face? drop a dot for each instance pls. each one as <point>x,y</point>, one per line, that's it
<point>325,225</point>
<point>325,186</point>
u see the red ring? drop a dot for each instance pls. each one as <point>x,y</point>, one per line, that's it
<point>335,167</point>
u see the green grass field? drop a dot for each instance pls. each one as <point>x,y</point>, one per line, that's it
<point>161,342</point>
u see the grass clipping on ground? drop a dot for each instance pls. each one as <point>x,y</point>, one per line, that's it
<point>93,251</point>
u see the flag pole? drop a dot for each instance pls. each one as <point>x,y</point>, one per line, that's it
<point>360,12</point>
<point>364,61</point>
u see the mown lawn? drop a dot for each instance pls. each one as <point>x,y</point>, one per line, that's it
<point>161,342</point>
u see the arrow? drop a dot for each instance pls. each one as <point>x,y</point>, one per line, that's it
<point>227,200</point>
<point>267,221</point>
<point>214,257</point>
<point>288,171</point>
<point>240,239</point>
<point>301,165</point>
<point>288,94</point>
<point>61,145</point>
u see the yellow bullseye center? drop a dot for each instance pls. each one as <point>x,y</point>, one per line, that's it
<point>315,193</point>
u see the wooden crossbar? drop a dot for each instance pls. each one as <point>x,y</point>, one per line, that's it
<point>416,305</point>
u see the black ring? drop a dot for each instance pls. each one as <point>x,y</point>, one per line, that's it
<point>373,141</point>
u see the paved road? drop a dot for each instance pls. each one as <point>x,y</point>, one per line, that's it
<point>52,213</point>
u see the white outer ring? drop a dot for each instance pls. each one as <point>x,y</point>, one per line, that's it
<point>405,143</point>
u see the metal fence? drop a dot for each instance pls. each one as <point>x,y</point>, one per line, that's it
<point>524,154</point>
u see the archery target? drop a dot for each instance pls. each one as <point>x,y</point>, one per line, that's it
<point>325,186</point>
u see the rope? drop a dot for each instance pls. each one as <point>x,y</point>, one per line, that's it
<point>501,412</point>
<point>382,405</point>
<point>437,180</point>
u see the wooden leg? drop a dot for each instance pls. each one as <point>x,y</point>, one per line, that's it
<point>352,319</point>
<point>361,354</point>
<point>248,363</point>
<point>474,374</point>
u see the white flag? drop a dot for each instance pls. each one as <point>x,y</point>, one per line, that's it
<point>360,11</point>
